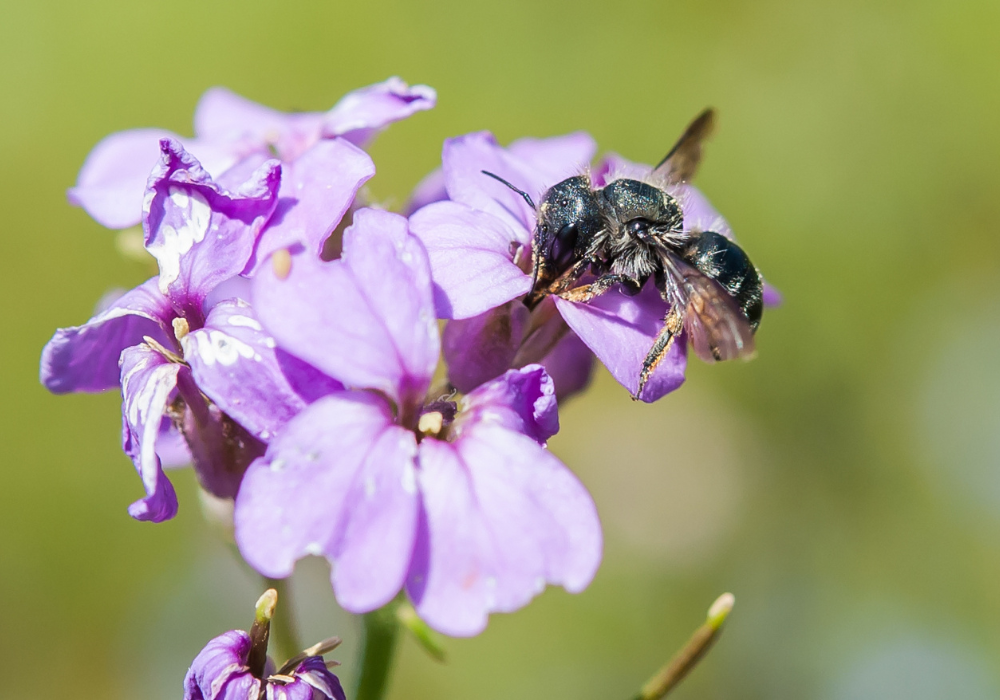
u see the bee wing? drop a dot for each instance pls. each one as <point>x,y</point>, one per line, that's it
<point>680,164</point>
<point>716,326</point>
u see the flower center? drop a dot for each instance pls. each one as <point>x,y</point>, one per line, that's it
<point>435,419</point>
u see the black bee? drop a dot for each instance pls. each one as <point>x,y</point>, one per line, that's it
<point>631,230</point>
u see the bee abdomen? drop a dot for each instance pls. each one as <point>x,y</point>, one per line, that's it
<point>719,258</point>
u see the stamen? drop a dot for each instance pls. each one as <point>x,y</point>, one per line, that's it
<point>181,327</point>
<point>168,355</point>
<point>315,650</point>
<point>430,424</point>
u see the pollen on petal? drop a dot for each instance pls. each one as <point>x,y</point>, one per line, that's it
<point>281,263</point>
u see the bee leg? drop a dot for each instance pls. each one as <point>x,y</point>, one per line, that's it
<point>672,326</point>
<point>559,285</point>
<point>600,286</point>
<point>568,278</point>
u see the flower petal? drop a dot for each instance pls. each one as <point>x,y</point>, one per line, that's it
<point>171,447</point>
<point>466,157</point>
<point>556,158</point>
<point>85,358</point>
<point>237,287</point>
<point>502,517</point>
<point>313,671</point>
<point>699,214</point>
<point>471,255</point>
<point>613,167</point>
<point>112,179</point>
<point>428,190</point>
<point>222,115</point>
<point>361,114</point>
<point>236,364</point>
<point>483,347</point>
<point>772,297</point>
<point>316,191</point>
<point>199,233</point>
<point>620,330</point>
<point>338,482</point>
<point>219,671</point>
<point>148,381</point>
<point>366,319</point>
<point>532,165</point>
<point>522,400</point>
<point>571,366</point>
<point>110,184</point>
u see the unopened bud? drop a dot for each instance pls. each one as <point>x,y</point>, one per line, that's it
<point>720,610</point>
<point>260,632</point>
<point>265,606</point>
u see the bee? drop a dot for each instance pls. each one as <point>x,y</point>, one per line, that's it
<point>630,230</point>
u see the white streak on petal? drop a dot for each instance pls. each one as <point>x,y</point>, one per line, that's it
<point>409,479</point>
<point>170,244</point>
<point>244,321</point>
<point>216,346</point>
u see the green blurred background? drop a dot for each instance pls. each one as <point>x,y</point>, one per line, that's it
<point>845,485</point>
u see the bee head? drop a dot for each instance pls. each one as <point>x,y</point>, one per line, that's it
<point>569,216</point>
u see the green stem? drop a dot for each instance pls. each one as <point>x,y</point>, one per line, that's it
<point>381,634</point>
<point>284,641</point>
<point>667,678</point>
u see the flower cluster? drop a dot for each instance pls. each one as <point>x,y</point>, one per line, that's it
<point>478,233</point>
<point>296,369</point>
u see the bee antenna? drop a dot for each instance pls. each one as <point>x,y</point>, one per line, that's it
<point>527,197</point>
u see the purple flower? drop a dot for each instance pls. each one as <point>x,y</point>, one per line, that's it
<point>460,503</point>
<point>221,672</point>
<point>235,666</point>
<point>233,136</point>
<point>479,245</point>
<point>167,348</point>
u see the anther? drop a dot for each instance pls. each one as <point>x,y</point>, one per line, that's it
<point>430,424</point>
<point>181,327</point>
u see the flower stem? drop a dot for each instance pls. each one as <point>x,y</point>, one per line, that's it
<point>284,641</point>
<point>381,634</point>
<point>667,678</point>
